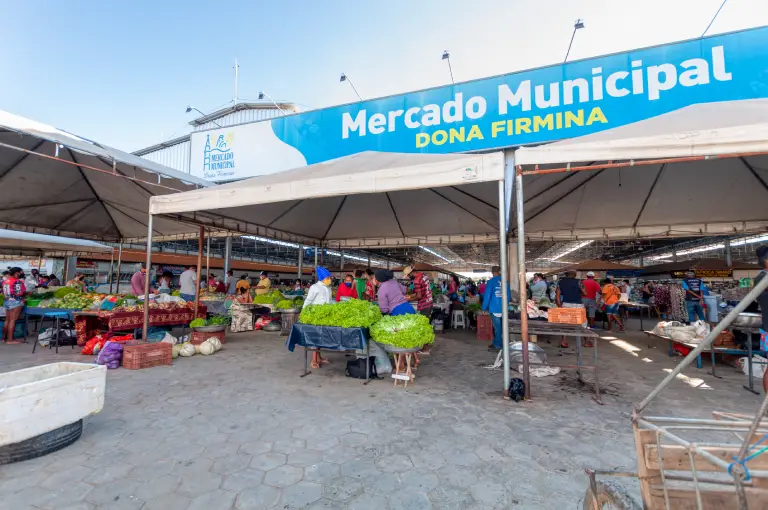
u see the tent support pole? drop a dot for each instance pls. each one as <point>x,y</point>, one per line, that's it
<point>199,267</point>
<point>521,276</point>
<point>301,260</point>
<point>315,256</point>
<point>504,285</point>
<point>208,259</point>
<point>147,279</point>
<point>119,263</point>
<point>111,268</point>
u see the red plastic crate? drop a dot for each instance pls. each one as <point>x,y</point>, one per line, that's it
<point>199,337</point>
<point>136,357</point>
<point>484,328</point>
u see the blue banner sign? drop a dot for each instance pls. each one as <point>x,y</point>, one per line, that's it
<point>523,108</point>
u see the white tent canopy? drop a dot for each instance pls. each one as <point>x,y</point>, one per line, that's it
<point>57,183</point>
<point>368,199</point>
<point>27,244</point>
<point>723,195</point>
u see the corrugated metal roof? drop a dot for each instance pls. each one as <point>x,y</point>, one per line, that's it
<point>241,113</point>
<point>175,156</point>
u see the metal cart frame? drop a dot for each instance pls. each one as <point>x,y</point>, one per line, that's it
<point>670,462</point>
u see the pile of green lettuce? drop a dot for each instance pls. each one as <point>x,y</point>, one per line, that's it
<point>284,304</point>
<point>347,314</point>
<point>404,331</point>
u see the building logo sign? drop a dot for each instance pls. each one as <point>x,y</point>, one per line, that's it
<point>523,108</point>
<point>219,156</point>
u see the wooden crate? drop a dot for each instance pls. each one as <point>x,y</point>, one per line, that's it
<point>143,355</point>
<point>567,315</point>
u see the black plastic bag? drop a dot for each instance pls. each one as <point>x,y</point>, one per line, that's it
<point>356,368</point>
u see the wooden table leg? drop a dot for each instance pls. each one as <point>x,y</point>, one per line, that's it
<point>397,366</point>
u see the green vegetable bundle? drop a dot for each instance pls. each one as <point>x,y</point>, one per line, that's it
<point>218,320</point>
<point>404,331</point>
<point>284,304</point>
<point>348,314</point>
<point>60,293</point>
<point>298,302</point>
<point>265,299</point>
<point>198,323</point>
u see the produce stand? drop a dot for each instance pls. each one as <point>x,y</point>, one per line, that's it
<point>329,338</point>
<point>570,330</point>
<point>89,323</point>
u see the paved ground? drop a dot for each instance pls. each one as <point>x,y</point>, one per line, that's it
<point>241,430</point>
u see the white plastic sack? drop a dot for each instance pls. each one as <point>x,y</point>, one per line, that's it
<point>383,365</point>
<point>758,366</point>
<point>540,371</point>
<point>169,339</point>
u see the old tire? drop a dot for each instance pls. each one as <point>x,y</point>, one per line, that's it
<point>609,495</point>
<point>41,445</point>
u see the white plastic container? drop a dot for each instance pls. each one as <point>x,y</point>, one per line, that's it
<point>40,399</point>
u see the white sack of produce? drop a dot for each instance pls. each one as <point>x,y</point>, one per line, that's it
<point>675,330</point>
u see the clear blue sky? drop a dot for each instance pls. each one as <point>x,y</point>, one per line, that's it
<point>122,73</point>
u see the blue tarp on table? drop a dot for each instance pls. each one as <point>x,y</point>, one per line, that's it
<point>327,337</point>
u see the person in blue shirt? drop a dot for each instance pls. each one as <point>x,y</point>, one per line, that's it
<point>493,303</point>
<point>694,297</point>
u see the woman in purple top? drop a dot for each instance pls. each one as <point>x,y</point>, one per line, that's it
<point>391,294</point>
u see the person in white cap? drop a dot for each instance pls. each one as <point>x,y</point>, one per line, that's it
<point>590,289</point>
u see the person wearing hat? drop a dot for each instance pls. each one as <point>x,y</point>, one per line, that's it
<point>264,284</point>
<point>590,290</point>
<point>319,294</point>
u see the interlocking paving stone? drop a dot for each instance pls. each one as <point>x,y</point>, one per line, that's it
<point>283,476</point>
<point>329,442</point>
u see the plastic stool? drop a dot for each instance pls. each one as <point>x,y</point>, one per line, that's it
<point>458,319</point>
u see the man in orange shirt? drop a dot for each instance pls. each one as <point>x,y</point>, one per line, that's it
<point>611,295</point>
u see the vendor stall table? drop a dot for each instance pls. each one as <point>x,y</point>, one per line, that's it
<point>536,327</point>
<point>641,307</point>
<point>327,338</point>
<point>88,324</point>
<point>719,350</point>
<point>53,314</point>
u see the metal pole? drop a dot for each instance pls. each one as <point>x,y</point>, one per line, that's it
<point>504,284</point>
<point>208,260</point>
<point>111,268</point>
<point>147,279</point>
<point>301,260</point>
<point>369,260</point>
<point>341,263</point>
<point>227,255</point>
<point>119,263</point>
<point>521,276</point>
<point>199,267</point>
<point>751,296</point>
<point>315,256</point>
<point>728,258</point>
